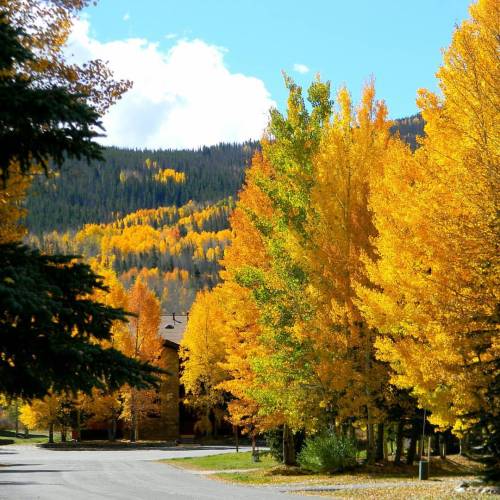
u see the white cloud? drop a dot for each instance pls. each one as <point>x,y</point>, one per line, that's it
<point>300,68</point>
<point>171,36</point>
<point>182,98</point>
<point>126,16</point>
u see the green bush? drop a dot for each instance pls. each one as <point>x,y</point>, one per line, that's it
<point>328,452</point>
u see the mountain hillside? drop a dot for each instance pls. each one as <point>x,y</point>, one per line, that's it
<point>129,180</point>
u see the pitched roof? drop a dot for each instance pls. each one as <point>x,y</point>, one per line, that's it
<point>172,327</point>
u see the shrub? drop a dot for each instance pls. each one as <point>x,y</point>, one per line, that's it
<point>328,452</point>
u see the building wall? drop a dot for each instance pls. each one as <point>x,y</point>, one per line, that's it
<point>169,393</point>
<point>166,425</point>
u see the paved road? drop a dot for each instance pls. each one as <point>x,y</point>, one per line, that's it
<point>28,472</point>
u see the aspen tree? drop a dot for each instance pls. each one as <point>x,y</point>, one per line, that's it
<point>202,350</point>
<point>436,213</point>
<point>340,227</point>
<point>141,341</point>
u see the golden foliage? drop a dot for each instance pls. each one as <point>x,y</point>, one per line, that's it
<point>202,350</point>
<point>168,174</point>
<point>437,217</point>
<point>340,229</point>
<point>11,210</point>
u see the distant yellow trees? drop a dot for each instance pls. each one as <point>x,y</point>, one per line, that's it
<point>160,175</point>
<point>185,242</point>
<point>166,174</point>
<point>154,229</point>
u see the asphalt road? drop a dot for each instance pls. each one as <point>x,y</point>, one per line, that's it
<point>28,472</point>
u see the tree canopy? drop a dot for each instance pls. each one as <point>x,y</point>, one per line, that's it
<point>38,123</point>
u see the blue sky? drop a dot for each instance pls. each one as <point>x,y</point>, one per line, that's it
<point>397,41</point>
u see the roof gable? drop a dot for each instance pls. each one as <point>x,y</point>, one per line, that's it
<point>172,327</point>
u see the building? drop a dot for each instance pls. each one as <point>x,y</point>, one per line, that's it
<point>167,424</point>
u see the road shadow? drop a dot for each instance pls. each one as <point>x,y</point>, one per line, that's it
<point>127,447</point>
<point>2,452</point>
<point>19,465</point>
<point>32,471</point>
<point>17,483</point>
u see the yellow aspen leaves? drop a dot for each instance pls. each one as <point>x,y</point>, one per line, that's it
<point>436,212</point>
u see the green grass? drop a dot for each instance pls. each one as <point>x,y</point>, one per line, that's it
<point>9,437</point>
<point>225,461</point>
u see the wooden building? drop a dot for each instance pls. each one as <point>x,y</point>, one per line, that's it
<point>167,424</point>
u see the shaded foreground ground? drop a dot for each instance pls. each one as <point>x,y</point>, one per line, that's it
<point>379,481</point>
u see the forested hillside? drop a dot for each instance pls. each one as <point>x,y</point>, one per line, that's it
<point>128,180</point>
<point>162,215</point>
<point>175,250</point>
<point>409,129</point>
<point>123,182</point>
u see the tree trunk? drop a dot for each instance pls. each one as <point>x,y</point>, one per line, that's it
<point>288,447</point>
<point>421,447</point>
<point>385,447</point>
<point>442,446</point>
<point>26,433</point>
<point>352,431</point>
<point>255,453</point>
<point>216,430</point>
<point>370,435</point>
<point>464,444</point>
<point>236,438</point>
<point>133,419</point>
<point>412,449</point>
<point>379,452</point>
<point>51,433</point>
<point>399,442</point>
<point>63,434</point>
<point>391,439</point>
<point>370,442</point>
<point>78,425</point>
<point>113,429</point>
